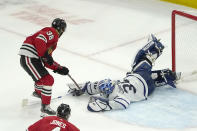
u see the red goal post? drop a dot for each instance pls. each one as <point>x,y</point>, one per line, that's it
<point>186,16</point>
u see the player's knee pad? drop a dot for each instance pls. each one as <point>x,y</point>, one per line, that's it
<point>47,80</point>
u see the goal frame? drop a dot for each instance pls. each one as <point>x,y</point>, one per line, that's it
<point>183,14</point>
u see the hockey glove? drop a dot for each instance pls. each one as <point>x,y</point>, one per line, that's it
<point>48,58</point>
<point>62,70</point>
<point>97,104</point>
<point>76,92</point>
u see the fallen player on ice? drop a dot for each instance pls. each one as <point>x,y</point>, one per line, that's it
<point>136,86</point>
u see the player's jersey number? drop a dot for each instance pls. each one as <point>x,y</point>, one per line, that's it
<point>50,35</point>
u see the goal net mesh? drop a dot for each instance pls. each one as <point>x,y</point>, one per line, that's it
<point>185,40</point>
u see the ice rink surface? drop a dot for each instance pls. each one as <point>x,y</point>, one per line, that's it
<point>100,42</point>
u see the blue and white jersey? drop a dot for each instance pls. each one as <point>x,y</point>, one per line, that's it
<point>131,89</point>
<point>139,85</point>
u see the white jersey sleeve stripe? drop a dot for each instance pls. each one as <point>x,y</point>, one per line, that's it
<point>42,37</point>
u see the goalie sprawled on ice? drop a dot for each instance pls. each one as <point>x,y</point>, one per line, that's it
<point>136,86</point>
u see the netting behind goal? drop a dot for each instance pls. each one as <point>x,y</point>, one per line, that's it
<point>184,42</point>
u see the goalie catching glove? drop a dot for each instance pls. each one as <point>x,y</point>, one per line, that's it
<point>97,104</point>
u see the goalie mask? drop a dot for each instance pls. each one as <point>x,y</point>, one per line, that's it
<point>60,25</point>
<point>63,111</point>
<point>106,86</point>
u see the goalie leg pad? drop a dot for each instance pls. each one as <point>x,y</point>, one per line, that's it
<point>142,66</point>
<point>150,52</point>
<point>97,104</point>
<point>154,45</point>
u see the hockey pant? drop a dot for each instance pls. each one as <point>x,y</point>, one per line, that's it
<point>43,80</point>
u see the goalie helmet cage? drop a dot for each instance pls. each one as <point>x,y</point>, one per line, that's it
<point>184,41</point>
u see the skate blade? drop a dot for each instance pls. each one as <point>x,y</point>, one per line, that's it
<point>43,114</point>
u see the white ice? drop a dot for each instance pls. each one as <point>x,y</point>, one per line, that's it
<point>100,42</point>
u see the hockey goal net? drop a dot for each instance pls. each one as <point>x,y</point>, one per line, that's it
<point>184,42</point>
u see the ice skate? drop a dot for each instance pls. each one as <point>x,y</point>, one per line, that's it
<point>35,94</point>
<point>47,111</point>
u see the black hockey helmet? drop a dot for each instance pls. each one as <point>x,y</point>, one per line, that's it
<point>63,111</point>
<point>60,25</point>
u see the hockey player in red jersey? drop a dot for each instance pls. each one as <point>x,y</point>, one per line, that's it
<point>36,54</point>
<point>58,123</point>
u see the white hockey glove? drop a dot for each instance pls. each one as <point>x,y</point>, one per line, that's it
<point>75,92</point>
<point>73,89</point>
<point>97,104</point>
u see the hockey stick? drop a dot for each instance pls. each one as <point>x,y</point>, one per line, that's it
<point>77,85</point>
<point>26,102</point>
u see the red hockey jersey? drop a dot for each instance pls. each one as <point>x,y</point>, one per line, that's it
<point>36,45</point>
<point>51,123</point>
